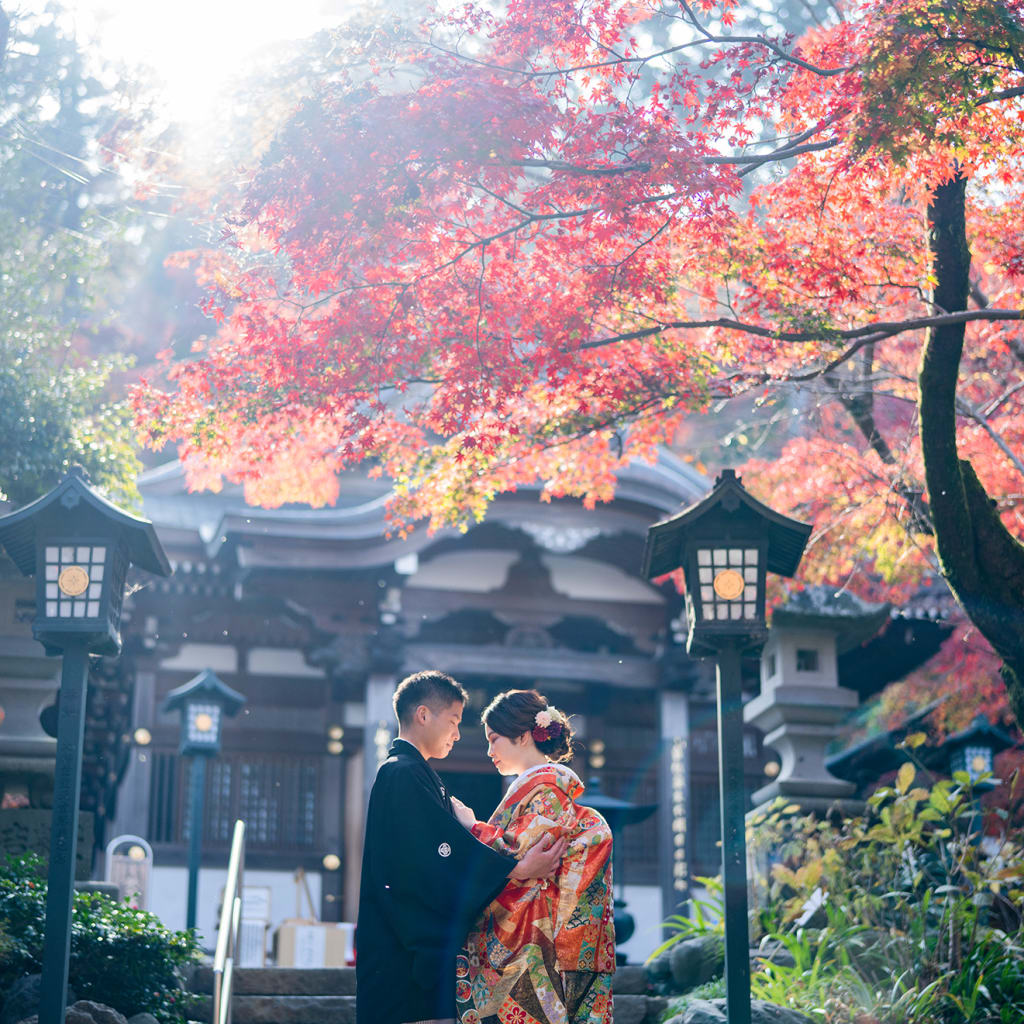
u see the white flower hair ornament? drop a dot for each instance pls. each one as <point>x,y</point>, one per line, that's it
<point>546,726</point>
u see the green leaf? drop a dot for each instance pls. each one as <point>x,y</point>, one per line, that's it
<point>905,777</point>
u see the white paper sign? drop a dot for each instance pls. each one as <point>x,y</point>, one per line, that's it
<point>310,946</point>
<point>256,902</point>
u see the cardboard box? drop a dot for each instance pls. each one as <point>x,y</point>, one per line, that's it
<point>301,943</point>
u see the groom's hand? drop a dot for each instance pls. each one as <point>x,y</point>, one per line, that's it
<point>541,860</point>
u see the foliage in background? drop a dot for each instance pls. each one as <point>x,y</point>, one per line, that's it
<point>902,916</point>
<point>691,960</point>
<point>62,218</point>
<point>679,1004</point>
<point>120,956</point>
<point>518,245</point>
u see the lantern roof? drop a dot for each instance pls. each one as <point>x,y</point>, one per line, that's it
<point>851,619</point>
<point>872,757</point>
<point>729,499</point>
<point>881,753</point>
<point>73,496</point>
<point>205,686</point>
<point>980,731</point>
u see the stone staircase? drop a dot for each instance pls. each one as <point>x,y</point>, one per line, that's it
<point>288,995</point>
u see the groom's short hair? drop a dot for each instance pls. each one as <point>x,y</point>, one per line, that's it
<point>435,689</point>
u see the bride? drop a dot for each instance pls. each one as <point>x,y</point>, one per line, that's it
<point>543,952</point>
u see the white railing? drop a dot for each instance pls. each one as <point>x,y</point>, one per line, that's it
<point>228,929</point>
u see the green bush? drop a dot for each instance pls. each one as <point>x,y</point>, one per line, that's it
<point>120,956</point>
<point>900,915</point>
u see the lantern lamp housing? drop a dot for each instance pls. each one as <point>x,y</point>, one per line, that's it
<point>726,544</point>
<point>973,750</point>
<point>976,760</point>
<point>79,547</point>
<point>203,702</point>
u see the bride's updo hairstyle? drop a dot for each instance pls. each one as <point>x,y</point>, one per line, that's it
<point>517,711</point>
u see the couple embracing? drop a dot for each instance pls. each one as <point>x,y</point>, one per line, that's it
<point>503,921</point>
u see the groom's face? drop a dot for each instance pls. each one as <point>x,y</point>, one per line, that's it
<point>441,729</point>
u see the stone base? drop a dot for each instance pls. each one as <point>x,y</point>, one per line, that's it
<point>804,791</point>
<point>712,1011</point>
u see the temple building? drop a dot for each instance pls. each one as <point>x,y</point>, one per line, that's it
<point>314,615</point>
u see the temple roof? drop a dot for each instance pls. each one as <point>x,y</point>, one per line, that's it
<point>355,528</point>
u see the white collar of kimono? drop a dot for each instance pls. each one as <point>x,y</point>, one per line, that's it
<point>560,768</point>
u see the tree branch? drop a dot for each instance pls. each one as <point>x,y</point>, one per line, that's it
<point>764,42</point>
<point>971,413</point>
<point>562,165</point>
<point>1003,94</point>
<point>865,335</point>
<point>576,68</point>
<point>786,153</point>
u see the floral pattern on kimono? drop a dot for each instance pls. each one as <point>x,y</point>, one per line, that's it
<point>543,952</point>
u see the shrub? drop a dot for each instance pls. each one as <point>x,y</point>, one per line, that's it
<point>902,914</point>
<point>120,956</point>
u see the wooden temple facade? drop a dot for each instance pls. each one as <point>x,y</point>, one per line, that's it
<point>315,615</point>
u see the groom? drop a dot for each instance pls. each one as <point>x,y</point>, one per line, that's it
<point>425,877</point>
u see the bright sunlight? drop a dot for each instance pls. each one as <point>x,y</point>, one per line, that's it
<point>193,47</point>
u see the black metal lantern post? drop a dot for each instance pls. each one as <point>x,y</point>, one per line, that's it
<point>79,546</point>
<point>203,702</point>
<point>725,545</point>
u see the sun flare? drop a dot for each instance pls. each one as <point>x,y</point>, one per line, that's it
<point>194,47</point>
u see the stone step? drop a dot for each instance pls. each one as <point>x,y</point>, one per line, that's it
<point>627,1009</point>
<point>281,981</point>
<point>341,981</point>
<point>637,1009</point>
<point>326,995</point>
<point>275,1009</point>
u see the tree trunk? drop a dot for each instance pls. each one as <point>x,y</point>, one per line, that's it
<point>980,559</point>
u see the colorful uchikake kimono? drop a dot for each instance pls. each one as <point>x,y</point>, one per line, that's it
<point>543,952</point>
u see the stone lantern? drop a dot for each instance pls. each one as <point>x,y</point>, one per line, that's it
<point>801,703</point>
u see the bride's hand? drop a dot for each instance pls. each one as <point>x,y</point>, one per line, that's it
<point>464,814</point>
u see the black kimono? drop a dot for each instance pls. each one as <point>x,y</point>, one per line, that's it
<point>424,880</point>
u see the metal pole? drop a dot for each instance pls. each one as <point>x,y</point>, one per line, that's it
<point>64,833</point>
<point>734,847</point>
<point>195,839</point>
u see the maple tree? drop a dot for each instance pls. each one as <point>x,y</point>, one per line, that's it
<point>524,243</point>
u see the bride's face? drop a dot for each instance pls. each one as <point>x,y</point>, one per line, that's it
<point>508,755</point>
